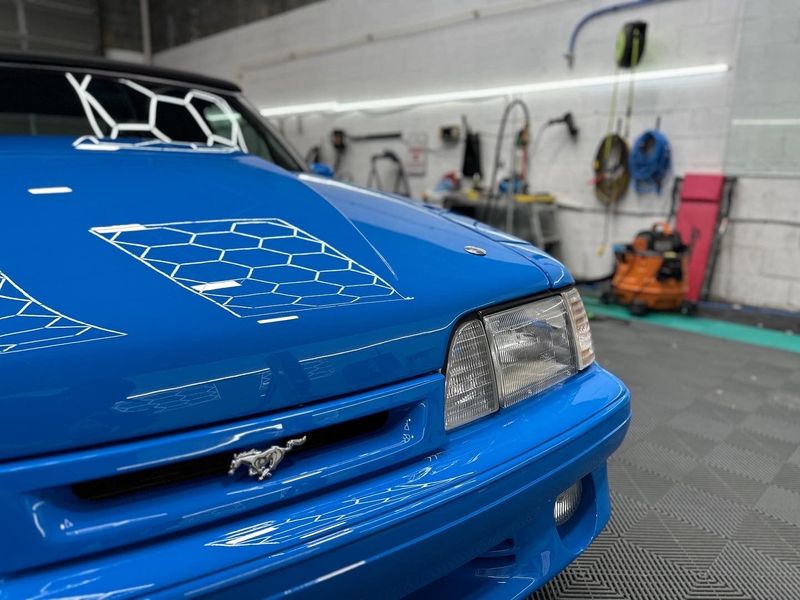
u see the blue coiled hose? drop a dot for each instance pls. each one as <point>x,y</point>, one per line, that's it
<point>650,161</point>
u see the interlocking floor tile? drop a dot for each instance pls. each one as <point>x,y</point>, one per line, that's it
<point>704,491</point>
<point>701,425</point>
<point>625,513</point>
<point>763,376</point>
<point>638,484</point>
<point>760,444</point>
<point>737,400</point>
<point>722,483</point>
<point>675,540</point>
<point>658,460</point>
<point>680,441</point>
<point>753,573</point>
<point>703,510</point>
<point>795,458</point>
<point>743,462</point>
<point>717,412</point>
<point>770,536</point>
<point>780,429</point>
<point>786,399</point>
<point>781,503</point>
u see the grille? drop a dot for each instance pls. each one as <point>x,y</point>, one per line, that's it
<point>217,464</point>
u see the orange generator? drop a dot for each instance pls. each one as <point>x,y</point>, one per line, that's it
<point>650,272</point>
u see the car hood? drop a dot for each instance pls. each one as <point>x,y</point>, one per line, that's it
<point>144,291</point>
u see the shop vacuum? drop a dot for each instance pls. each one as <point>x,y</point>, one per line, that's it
<point>651,272</point>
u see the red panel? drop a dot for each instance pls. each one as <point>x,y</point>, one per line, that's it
<point>696,223</point>
<point>702,187</point>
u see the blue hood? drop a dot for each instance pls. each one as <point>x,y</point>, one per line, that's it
<point>144,291</point>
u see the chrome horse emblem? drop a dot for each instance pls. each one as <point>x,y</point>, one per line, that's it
<point>261,463</point>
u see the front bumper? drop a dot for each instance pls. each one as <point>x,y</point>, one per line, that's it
<point>473,519</point>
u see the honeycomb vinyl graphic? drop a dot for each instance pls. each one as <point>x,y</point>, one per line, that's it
<point>195,103</point>
<point>252,267</point>
<point>27,324</point>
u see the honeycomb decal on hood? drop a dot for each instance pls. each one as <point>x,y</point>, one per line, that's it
<point>27,324</point>
<point>252,267</point>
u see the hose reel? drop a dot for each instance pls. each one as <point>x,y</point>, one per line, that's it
<point>651,159</point>
<point>611,171</point>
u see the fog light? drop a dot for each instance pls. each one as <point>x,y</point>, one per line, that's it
<point>567,503</point>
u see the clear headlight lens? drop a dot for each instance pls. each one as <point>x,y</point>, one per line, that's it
<point>521,351</point>
<point>580,327</point>
<point>531,348</point>
<point>469,386</point>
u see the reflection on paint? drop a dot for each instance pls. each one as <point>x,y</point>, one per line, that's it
<point>168,401</point>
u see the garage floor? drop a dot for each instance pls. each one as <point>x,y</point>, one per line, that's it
<point>706,487</point>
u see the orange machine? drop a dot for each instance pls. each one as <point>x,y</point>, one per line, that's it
<point>650,272</point>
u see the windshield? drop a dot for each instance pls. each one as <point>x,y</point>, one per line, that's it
<point>132,110</point>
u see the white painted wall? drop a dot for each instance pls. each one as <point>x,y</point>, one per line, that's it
<point>322,53</point>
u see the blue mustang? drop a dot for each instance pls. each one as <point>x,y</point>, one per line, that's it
<point>222,374</point>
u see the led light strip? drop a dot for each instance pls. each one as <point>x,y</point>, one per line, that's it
<point>333,106</point>
<point>765,122</point>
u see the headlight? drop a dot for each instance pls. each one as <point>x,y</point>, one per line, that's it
<point>531,348</point>
<point>469,386</point>
<point>522,351</point>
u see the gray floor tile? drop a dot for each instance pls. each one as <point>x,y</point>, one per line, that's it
<point>706,488</point>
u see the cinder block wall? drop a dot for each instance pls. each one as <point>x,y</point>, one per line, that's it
<point>322,52</point>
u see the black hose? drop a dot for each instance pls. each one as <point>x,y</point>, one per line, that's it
<point>492,196</point>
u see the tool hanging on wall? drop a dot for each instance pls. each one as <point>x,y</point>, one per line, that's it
<point>612,174</point>
<point>630,44</point>
<point>450,134</point>
<point>340,140</point>
<point>517,183</point>
<point>650,161</point>
<point>400,186</point>
<point>314,155</point>
<point>339,143</point>
<point>611,163</point>
<point>606,10</point>
<point>567,120</point>
<point>471,167</point>
<point>630,49</point>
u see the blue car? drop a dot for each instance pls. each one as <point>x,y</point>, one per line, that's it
<point>224,375</point>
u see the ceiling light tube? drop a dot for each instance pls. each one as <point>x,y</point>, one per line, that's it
<point>765,122</point>
<point>333,106</point>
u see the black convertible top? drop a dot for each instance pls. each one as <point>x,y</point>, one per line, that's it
<point>114,67</point>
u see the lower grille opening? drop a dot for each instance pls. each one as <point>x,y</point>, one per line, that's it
<point>212,465</point>
<point>502,555</point>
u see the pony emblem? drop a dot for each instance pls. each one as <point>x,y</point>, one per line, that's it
<point>261,463</point>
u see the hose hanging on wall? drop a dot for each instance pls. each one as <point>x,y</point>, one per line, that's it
<point>611,174</point>
<point>650,161</point>
<point>611,163</point>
